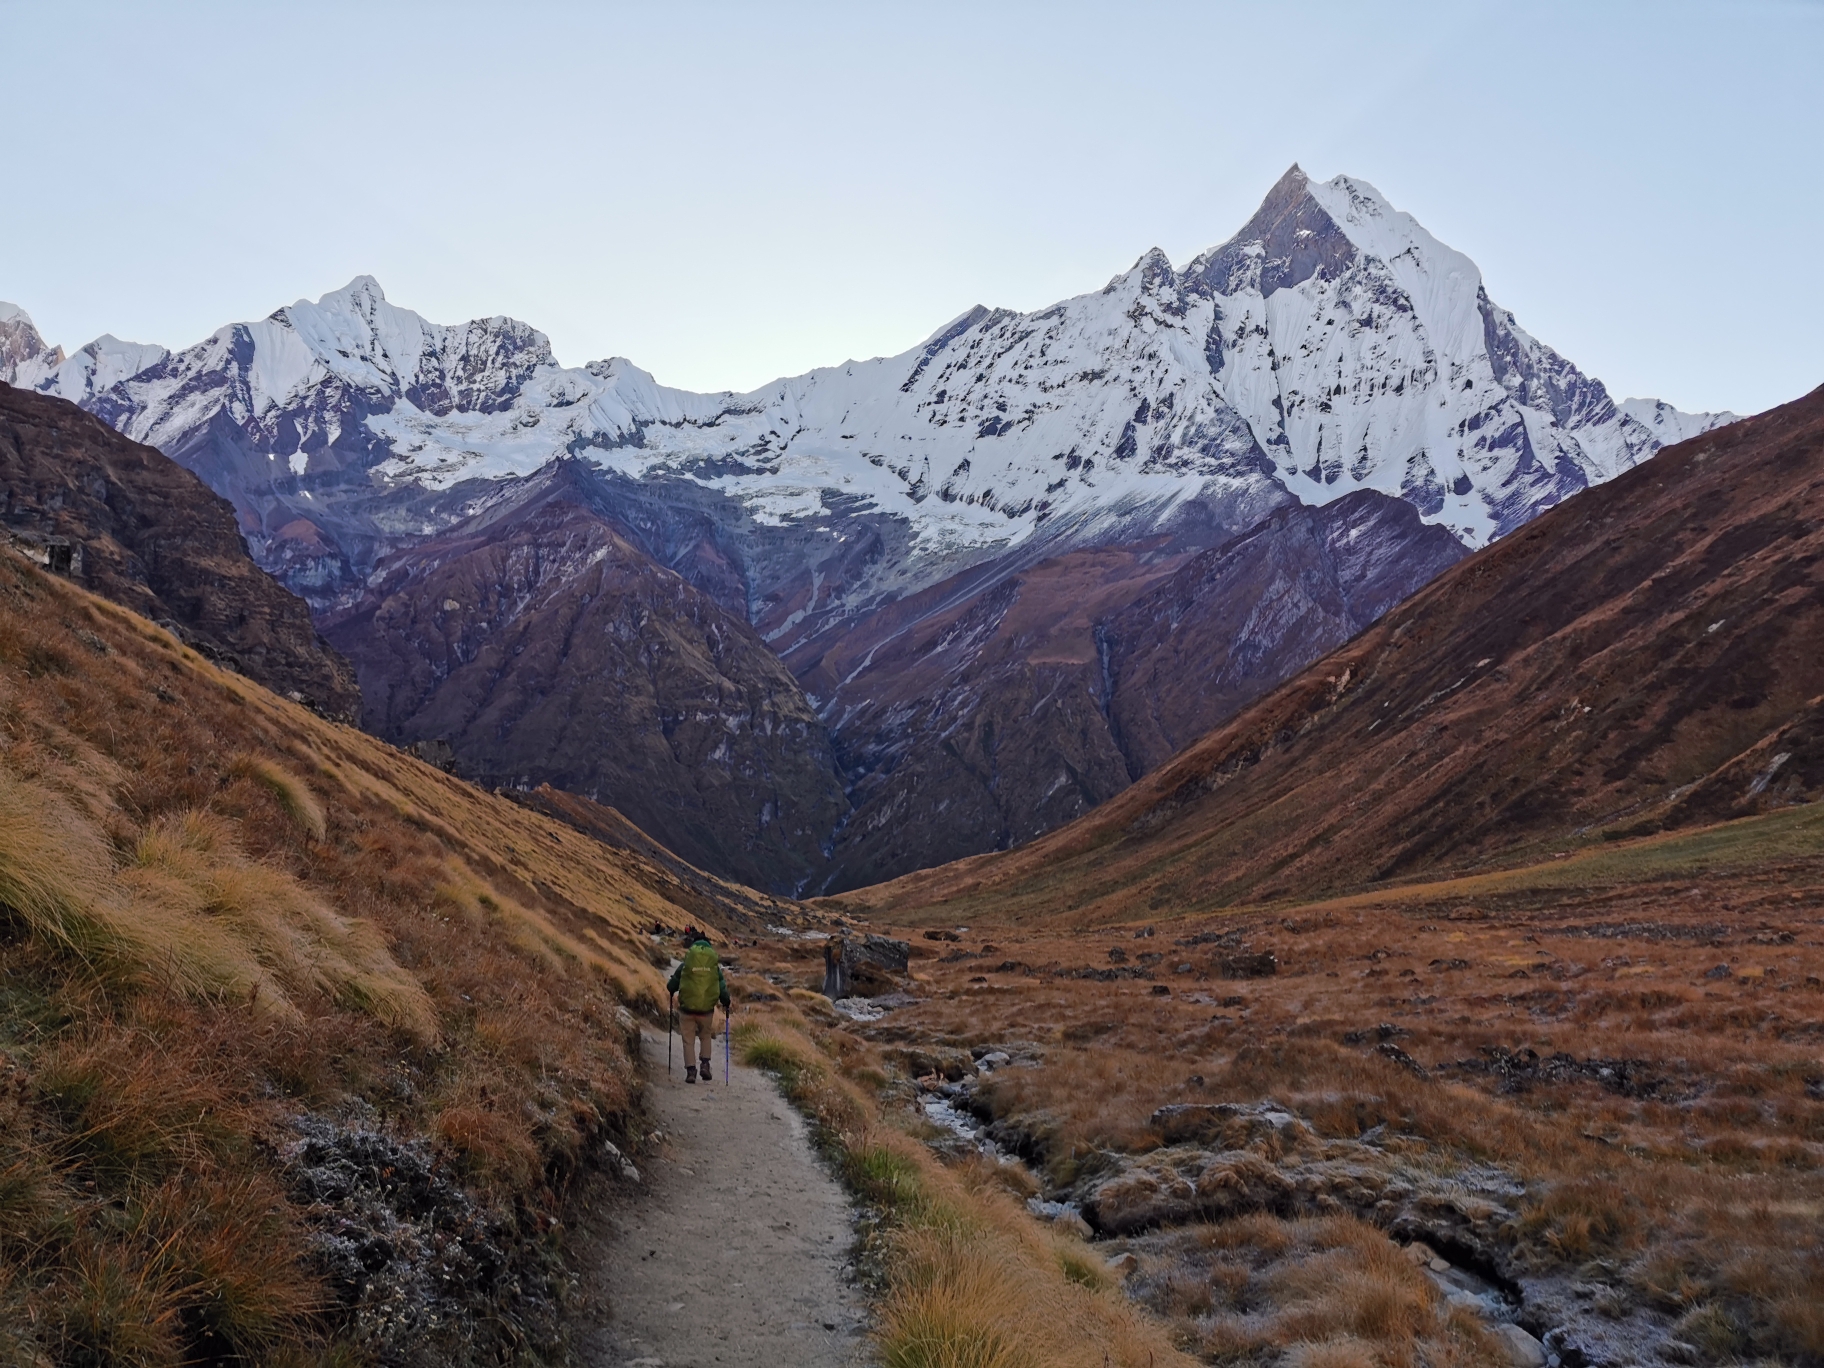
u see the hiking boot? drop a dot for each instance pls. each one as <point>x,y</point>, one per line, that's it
<point>690,1073</point>
<point>706,1071</point>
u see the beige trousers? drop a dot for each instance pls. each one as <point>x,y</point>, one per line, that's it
<point>701,1028</point>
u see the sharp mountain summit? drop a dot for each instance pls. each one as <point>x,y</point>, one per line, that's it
<point>890,612</point>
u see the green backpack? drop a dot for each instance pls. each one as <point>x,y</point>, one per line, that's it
<point>700,980</point>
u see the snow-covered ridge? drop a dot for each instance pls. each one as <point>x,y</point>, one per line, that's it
<point>1332,345</point>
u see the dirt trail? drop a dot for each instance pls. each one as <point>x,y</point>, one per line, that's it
<point>734,1248</point>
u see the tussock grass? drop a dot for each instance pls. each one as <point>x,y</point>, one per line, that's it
<point>53,867</point>
<point>1331,1290</point>
<point>190,910</point>
<point>1689,1180</point>
<point>294,796</point>
<point>1748,843</point>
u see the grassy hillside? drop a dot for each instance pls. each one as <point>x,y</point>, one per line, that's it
<point>302,1042</point>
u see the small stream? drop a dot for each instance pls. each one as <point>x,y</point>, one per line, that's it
<point>940,1110</point>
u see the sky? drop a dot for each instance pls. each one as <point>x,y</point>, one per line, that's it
<point>726,193</point>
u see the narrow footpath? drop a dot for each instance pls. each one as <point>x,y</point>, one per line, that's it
<point>733,1249</point>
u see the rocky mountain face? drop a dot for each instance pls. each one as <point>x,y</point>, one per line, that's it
<point>545,647</point>
<point>20,342</point>
<point>1331,348</point>
<point>142,531</point>
<point>1239,619</point>
<point>1052,688</point>
<point>1642,658</point>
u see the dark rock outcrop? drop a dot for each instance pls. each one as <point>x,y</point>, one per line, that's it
<point>1243,617</point>
<point>970,718</point>
<point>546,648</point>
<point>146,533</point>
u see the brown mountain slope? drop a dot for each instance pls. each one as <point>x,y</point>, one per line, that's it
<point>546,648</point>
<point>1645,656</point>
<point>307,1045</point>
<point>152,537</point>
<point>977,716</point>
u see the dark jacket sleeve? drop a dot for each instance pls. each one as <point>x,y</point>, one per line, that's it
<point>671,984</point>
<point>722,978</point>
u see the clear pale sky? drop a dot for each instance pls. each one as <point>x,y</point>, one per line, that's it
<point>730,192</point>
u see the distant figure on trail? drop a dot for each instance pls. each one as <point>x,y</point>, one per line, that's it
<point>698,985</point>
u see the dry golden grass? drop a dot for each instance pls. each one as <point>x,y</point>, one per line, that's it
<point>294,795</point>
<point>218,911</point>
<point>189,910</point>
<point>1323,1291</point>
<point>972,1280</point>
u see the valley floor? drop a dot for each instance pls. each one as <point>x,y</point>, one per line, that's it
<point>1584,1099</point>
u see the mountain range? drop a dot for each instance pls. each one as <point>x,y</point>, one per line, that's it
<point>1640,660</point>
<point>894,611</point>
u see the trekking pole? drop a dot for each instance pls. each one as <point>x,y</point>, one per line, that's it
<point>668,1016</point>
<point>728,1020</point>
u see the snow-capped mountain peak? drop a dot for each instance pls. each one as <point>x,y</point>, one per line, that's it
<point>21,348</point>
<point>1333,344</point>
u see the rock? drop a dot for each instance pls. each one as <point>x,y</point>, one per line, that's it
<point>1437,1265</point>
<point>921,1061</point>
<point>868,966</point>
<point>1061,1215</point>
<point>397,1235</point>
<point>1247,965</point>
<point>1385,1031</point>
<point>1391,1051</point>
<point>1230,1125</point>
<point>1175,1186</point>
<point>1523,1351</point>
<point>620,1162</point>
<point>994,1059</point>
<point>893,956</point>
<point>942,936</point>
<point>1124,1265</point>
<point>1420,1253</point>
<point>1283,1169</point>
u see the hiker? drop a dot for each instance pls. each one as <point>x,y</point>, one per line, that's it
<point>698,985</point>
